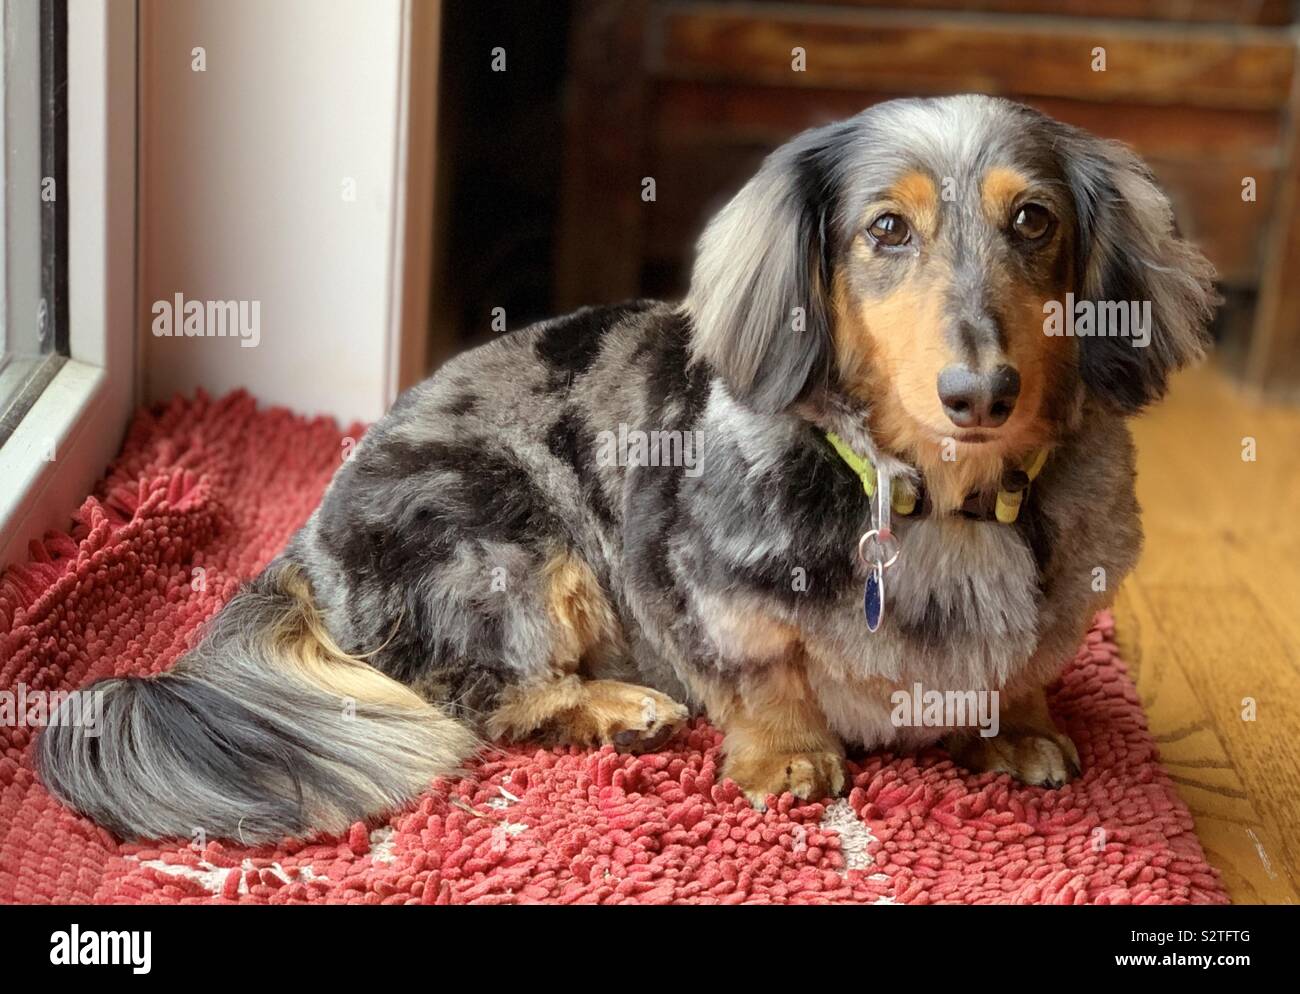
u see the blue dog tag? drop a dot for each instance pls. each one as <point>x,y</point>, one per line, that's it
<point>878,550</point>
<point>873,598</point>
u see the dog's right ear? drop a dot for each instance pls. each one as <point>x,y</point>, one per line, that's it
<point>759,300</point>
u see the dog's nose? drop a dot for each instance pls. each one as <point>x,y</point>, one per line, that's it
<point>978,400</point>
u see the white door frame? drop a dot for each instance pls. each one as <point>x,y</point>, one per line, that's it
<point>82,415</point>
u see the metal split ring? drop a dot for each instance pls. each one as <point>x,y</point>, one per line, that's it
<point>885,540</point>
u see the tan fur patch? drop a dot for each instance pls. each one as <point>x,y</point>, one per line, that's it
<point>776,736</point>
<point>589,713</point>
<point>301,641</point>
<point>999,191</point>
<point>741,632</point>
<point>584,620</point>
<point>918,199</point>
<point>891,352</point>
<point>525,709</point>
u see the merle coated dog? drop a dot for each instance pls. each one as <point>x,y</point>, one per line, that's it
<point>584,529</point>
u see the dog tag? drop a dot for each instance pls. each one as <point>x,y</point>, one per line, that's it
<point>878,550</point>
<point>873,598</point>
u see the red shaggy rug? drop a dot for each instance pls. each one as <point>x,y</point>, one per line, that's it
<point>205,492</point>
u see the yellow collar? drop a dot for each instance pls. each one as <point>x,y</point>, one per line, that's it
<point>905,500</point>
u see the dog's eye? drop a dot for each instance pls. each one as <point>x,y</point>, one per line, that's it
<point>890,230</point>
<point>1032,222</point>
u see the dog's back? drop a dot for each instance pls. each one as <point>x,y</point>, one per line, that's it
<point>366,658</point>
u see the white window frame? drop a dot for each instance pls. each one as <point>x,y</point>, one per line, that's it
<point>85,409</point>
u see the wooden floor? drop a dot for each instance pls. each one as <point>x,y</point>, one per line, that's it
<point>1211,617</point>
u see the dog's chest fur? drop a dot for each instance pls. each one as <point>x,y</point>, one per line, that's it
<point>747,559</point>
<point>769,567</point>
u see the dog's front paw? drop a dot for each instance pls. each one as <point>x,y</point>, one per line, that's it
<point>1040,759</point>
<point>809,776</point>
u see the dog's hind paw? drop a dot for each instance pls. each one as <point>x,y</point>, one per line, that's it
<point>590,714</point>
<point>629,717</point>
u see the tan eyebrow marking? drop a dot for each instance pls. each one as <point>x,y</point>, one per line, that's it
<point>998,192</point>
<point>917,195</point>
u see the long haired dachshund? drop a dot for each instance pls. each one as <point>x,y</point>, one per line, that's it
<point>582,529</point>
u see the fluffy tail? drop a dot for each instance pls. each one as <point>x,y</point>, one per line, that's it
<point>266,730</point>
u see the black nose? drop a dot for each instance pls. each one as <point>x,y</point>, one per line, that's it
<point>978,400</point>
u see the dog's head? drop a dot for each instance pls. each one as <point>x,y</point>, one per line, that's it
<point>935,260</point>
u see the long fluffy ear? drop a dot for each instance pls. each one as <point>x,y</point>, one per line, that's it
<point>759,299</point>
<point>1131,252</point>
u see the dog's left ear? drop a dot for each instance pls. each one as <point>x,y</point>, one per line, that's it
<point>1131,252</point>
<point>759,300</point>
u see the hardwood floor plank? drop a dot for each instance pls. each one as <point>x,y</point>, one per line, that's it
<point>1210,617</point>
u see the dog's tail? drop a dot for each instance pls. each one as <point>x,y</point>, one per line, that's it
<point>266,730</point>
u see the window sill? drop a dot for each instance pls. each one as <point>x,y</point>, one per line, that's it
<point>34,498</point>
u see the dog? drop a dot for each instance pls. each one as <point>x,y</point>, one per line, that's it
<point>586,530</point>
